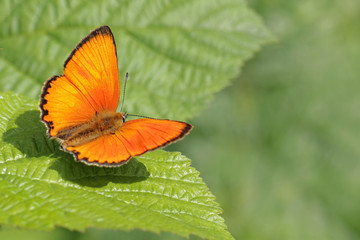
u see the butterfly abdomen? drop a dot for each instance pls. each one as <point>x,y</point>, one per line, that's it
<point>102,124</point>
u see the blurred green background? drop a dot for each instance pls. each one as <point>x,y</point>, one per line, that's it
<point>279,148</point>
<point>282,142</point>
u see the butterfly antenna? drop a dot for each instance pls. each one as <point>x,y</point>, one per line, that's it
<point>123,96</point>
<point>140,116</point>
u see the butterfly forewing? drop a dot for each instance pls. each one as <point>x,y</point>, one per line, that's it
<point>90,84</point>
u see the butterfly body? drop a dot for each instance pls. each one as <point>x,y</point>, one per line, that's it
<point>101,124</point>
<point>79,108</point>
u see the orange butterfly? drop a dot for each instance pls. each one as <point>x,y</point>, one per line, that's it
<point>79,108</point>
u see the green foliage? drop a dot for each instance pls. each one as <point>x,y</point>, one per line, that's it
<point>178,54</point>
<point>42,187</point>
<point>290,129</point>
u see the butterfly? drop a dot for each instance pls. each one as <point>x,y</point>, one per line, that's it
<point>79,108</point>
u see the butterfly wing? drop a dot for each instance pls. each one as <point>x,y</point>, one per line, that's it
<point>90,84</point>
<point>107,151</point>
<point>134,138</point>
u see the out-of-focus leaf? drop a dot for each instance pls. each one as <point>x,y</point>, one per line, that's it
<point>178,53</point>
<point>289,129</point>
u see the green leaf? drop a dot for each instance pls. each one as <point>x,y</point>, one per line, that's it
<point>178,53</point>
<point>42,187</point>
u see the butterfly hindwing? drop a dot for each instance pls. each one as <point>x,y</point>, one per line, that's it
<point>107,151</point>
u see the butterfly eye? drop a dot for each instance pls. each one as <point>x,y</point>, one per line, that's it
<point>124,117</point>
